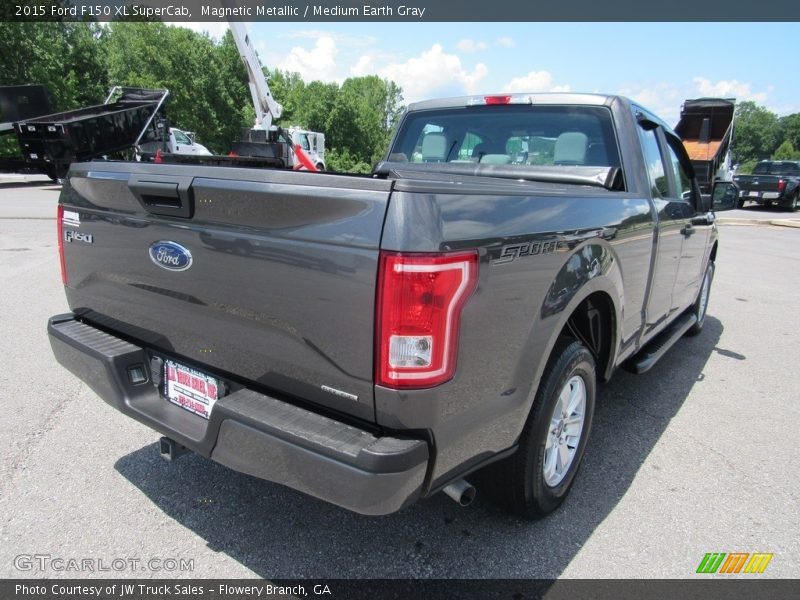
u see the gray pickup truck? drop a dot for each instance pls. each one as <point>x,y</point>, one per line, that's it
<point>373,340</point>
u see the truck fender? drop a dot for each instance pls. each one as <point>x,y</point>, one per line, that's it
<point>592,268</point>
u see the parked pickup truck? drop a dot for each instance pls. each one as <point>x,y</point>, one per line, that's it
<point>775,181</point>
<point>176,141</point>
<point>374,340</point>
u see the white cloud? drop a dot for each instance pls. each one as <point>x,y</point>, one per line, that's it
<point>665,98</point>
<point>364,66</point>
<point>535,81</point>
<point>434,73</point>
<point>505,41</point>
<point>469,45</point>
<point>317,63</point>
<point>729,89</point>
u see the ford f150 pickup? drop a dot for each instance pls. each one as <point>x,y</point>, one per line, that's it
<point>775,181</point>
<point>373,340</point>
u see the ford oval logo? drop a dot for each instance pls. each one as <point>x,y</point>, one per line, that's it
<point>170,256</point>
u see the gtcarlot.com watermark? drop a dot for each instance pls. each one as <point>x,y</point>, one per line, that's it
<point>44,563</point>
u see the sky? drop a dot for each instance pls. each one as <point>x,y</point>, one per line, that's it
<point>658,64</point>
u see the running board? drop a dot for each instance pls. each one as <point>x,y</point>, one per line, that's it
<point>649,355</point>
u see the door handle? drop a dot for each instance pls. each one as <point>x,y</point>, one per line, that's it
<point>163,195</point>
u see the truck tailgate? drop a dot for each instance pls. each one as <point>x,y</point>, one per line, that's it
<point>273,278</point>
<point>758,183</point>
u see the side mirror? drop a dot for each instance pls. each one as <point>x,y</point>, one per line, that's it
<point>724,196</point>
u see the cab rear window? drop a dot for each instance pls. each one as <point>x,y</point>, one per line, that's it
<point>510,134</point>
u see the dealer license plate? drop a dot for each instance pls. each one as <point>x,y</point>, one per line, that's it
<point>190,389</point>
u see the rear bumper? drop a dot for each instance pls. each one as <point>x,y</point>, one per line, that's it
<point>760,196</point>
<point>252,432</point>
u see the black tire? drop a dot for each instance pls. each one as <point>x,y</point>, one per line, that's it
<point>793,203</point>
<point>526,491</point>
<point>55,174</point>
<point>700,308</point>
<point>740,203</point>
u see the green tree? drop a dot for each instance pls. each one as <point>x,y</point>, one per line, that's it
<point>318,101</point>
<point>756,131</point>
<point>234,104</point>
<point>363,116</point>
<point>188,64</point>
<point>208,84</point>
<point>85,73</point>
<point>786,151</point>
<point>790,129</point>
<point>67,58</point>
<point>746,167</point>
<point>288,89</point>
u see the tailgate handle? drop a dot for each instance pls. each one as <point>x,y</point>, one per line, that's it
<point>164,195</point>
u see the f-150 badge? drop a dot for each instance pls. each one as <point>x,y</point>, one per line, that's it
<point>77,236</point>
<point>170,256</point>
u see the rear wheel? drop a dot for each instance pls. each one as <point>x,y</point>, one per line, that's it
<point>793,203</point>
<point>56,172</point>
<point>539,475</point>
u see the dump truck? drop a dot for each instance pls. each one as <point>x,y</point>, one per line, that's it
<point>19,102</point>
<point>706,128</point>
<point>50,143</point>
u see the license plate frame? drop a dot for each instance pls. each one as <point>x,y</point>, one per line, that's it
<point>189,389</point>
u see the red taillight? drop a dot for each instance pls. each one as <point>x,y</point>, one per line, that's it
<point>60,228</point>
<point>420,297</point>
<point>497,99</point>
<point>781,185</point>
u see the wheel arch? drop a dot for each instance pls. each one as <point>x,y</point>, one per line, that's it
<point>601,293</point>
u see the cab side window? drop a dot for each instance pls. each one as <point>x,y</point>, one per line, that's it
<point>659,183</point>
<point>682,180</point>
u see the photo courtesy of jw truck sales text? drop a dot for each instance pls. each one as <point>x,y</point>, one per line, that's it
<point>399,397</point>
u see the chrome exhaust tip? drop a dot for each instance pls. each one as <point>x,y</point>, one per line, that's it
<point>461,491</point>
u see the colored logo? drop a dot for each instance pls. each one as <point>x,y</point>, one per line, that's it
<point>170,256</point>
<point>722,563</point>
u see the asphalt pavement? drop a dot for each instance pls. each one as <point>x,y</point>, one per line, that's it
<point>698,455</point>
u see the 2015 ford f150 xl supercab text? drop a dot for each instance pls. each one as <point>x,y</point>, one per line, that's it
<point>374,340</point>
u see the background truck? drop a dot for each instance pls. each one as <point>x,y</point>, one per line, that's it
<point>375,340</point>
<point>775,181</point>
<point>19,102</point>
<point>264,145</point>
<point>50,143</point>
<point>169,140</point>
<point>292,147</point>
<point>706,128</point>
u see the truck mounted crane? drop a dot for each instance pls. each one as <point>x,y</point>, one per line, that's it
<point>306,149</point>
